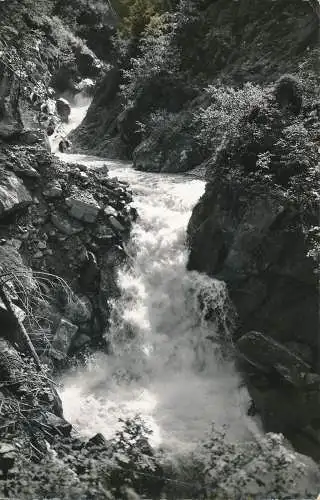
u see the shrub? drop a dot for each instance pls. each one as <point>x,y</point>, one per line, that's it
<point>158,57</point>
<point>226,107</point>
<point>261,467</point>
<point>288,93</point>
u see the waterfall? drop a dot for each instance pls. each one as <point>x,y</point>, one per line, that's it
<point>166,363</point>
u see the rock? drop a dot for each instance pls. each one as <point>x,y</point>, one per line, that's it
<point>65,224</point>
<point>15,243</point>
<point>104,233</point>
<point>116,224</point>
<point>63,109</point>
<point>33,138</point>
<point>62,339</point>
<point>79,309</point>
<point>57,424</point>
<point>109,210</point>
<point>80,341</point>
<point>89,273</point>
<point>255,246</point>
<point>285,392</point>
<point>42,245</point>
<point>7,456</point>
<point>83,206</point>
<point>97,440</point>
<point>53,190</point>
<point>13,194</point>
<point>102,169</point>
<point>6,318</point>
<point>86,86</point>
<point>270,356</point>
<point>302,350</point>
<point>38,255</point>
<point>64,145</point>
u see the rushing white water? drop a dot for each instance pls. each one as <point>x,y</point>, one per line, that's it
<point>78,112</point>
<point>166,364</point>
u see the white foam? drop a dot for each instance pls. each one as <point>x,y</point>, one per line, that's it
<point>164,365</point>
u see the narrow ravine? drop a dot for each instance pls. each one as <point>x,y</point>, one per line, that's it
<point>166,363</point>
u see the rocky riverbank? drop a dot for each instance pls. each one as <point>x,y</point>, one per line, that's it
<point>256,227</point>
<point>215,103</point>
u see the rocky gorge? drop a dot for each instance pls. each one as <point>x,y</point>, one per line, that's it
<point>233,108</point>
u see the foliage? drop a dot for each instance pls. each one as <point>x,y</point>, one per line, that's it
<point>136,15</point>
<point>137,464</point>
<point>288,93</point>
<point>270,144</point>
<point>226,107</point>
<point>262,467</point>
<point>157,57</point>
<point>114,471</point>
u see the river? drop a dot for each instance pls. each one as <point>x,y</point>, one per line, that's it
<point>166,364</point>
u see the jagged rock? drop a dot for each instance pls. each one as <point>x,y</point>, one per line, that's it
<point>285,391</point>
<point>89,273</point>
<point>63,109</point>
<point>104,233</point>
<point>109,210</point>
<point>13,194</point>
<point>86,86</point>
<point>83,206</point>
<point>81,341</point>
<point>116,224</point>
<point>15,243</point>
<point>97,440</point>
<point>79,309</point>
<point>65,224</point>
<point>62,339</point>
<point>7,456</point>
<point>270,356</point>
<point>38,255</point>
<point>57,424</point>
<point>64,145</point>
<point>54,190</point>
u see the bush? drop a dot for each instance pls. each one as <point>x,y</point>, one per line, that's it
<point>263,467</point>
<point>124,468</point>
<point>288,93</point>
<point>158,57</point>
<point>226,107</point>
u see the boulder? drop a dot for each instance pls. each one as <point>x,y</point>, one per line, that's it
<point>64,145</point>
<point>62,339</point>
<point>269,356</point>
<point>13,194</point>
<point>63,109</point>
<point>79,309</point>
<point>65,224</point>
<point>53,190</point>
<point>285,391</point>
<point>86,86</point>
<point>97,440</point>
<point>80,341</point>
<point>116,225</point>
<point>83,206</point>
<point>7,456</point>
<point>58,425</point>
<point>6,317</point>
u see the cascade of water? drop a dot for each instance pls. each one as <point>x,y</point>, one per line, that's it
<point>78,112</point>
<point>166,363</point>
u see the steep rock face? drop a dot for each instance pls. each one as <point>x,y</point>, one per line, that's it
<point>217,42</point>
<point>71,223</point>
<point>251,230</point>
<point>257,248</point>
